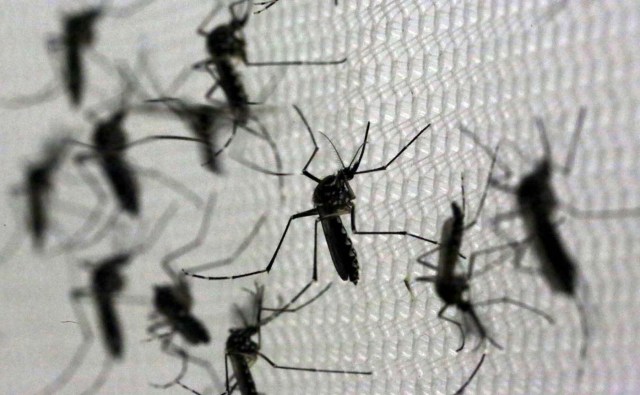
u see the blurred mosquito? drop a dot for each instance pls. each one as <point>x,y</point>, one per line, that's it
<point>38,188</point>
<point>332,198</point>
<point>109,144</point>
<point>174,302</point>
<point>270,3</point>
<point>106,286</point>
<point>77,38</point>
<point>452,287</point>
<point>203,120</point>
<point>537,204</point>
<point>225,43</point>
<point>242,351</point>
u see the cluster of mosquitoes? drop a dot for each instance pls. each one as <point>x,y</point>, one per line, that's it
<point>451,272</point>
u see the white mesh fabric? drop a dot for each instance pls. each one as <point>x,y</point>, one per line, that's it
<point>490,65</point>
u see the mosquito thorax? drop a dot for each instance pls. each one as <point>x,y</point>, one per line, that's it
<point>109,134</point>
<point>240,341</point>
<point>534,192</point>
<point>333,191</point>
<point>224,42</point>
<point>79,27</point>
<point>451,290</point>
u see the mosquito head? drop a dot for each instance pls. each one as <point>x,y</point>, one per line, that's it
<point>79,26</point>
<point>39,177</point>
<point>107,279</point>
<point>534,192</point>
<point>458,215</point>
<point>226,41</point>
<point>109,135</point>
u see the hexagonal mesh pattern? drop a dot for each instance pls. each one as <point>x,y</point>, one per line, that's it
<point>491,66</point>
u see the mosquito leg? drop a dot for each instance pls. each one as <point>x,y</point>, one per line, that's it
<point>273,364</point>
<point>460,390</point>
<point>287,309</point>
<point>483,198</point>
<point>454,322</point>
<point>202,26</point>
<point>94,216</point>
<point>421,259</point>
<point>191,245</point>
<point>81,352</point>
<point>305,172</point>
<point>384,167</point>
<point>222,262</point>
<point>101,379</point>
<point>398,232</point>
<point>518,303</point>
<point>177,352</point>
<point>171,183</point>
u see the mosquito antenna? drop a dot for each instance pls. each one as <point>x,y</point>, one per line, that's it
<point>364,145</point>
<point>334,149</point>
<point>573,145</point>
<point>485,148</point>
<point>546,145</point>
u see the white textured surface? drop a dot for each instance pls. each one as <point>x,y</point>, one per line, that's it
<point>491,65</point>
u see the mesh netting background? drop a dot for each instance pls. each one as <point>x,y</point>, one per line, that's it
<point>490,65</point>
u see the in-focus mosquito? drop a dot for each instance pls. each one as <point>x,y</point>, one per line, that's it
<point>105,289</point>
<point>333,197</point>
<point>453,287</point>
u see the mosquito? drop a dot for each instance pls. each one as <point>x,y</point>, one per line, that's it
<point>77,37</point>
<point>536,205</point>
<point>38,187</point>
<point>109,145</point>
<point>173,302</point>
<point>106,286</point>
<point>242,351</point>
<point>332,197</point>
<point>270,3</point>
<point>452,288</point>
<point>224,44</point>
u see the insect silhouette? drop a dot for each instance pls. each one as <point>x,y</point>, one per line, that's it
<point>242,351</point>
<point>38,189</point>
<point>224,43</point>
<point>537,203</point>
<point>452,287</point>
<point>464,386</point>
<point>109,145</point>
<point>174,302</point>
<point>106,286</point>
<point>333,197</point>
<point>38,186</point>
<point>270,3</point>
<point>77,37</point>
